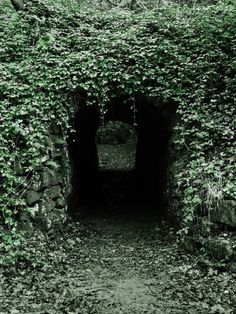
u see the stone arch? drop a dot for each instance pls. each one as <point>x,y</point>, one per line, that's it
<point>69,170</point>
<point>155,121</point>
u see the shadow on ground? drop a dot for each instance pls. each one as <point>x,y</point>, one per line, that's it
<point>120,263</point>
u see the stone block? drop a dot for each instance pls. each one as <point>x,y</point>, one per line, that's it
<point>34,210</point>
<point>61,201</point>
<point>47,205</point>
<point>56,178</point>
<point>32,197</point>
<point>50,178</point>
<point>46,178</point>
<point>221,248</point>
<point>53,192</point>
<point>57,217</point>
<point>226,213</point>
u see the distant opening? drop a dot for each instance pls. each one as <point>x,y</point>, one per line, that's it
<point>120,162</point>
<point>116,145</point>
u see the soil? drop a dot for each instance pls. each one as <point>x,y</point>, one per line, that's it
<point>117,263</point>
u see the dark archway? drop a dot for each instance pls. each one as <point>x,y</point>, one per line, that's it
<point>152,156</point>
<point>84,158</point>
<point>139,189</point>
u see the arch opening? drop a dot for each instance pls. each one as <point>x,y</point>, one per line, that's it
<point>124,170</point>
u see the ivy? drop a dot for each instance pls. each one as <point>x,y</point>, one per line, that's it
<point>177,54</point>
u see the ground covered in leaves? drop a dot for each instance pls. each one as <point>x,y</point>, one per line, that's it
<point>116,264</point>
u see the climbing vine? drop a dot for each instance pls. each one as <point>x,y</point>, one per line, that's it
<point>177,54</point>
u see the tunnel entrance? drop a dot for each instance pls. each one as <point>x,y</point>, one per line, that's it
<point>116,145</point>
<point>109,177</point>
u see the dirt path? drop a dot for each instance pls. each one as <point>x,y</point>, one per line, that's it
<point>117,265</point>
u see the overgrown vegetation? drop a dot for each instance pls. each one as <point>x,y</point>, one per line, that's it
<point>174,53</point>
<point>115,132</point>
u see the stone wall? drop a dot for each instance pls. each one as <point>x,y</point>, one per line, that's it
<point>213,228</point>
<point>50,186</point>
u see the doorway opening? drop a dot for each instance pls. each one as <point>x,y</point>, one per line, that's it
<point>119,165</point>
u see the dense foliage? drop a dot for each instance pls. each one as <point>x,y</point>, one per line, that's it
<point>174,53</point>
<point>115,132</point>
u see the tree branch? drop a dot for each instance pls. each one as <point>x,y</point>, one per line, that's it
<point>112,3</point>
<point>18,5</point>
<point>121,6</point>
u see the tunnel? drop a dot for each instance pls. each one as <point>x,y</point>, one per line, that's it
<point>138,188</point>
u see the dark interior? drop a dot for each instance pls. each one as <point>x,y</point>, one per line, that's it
<point>140,189</point>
